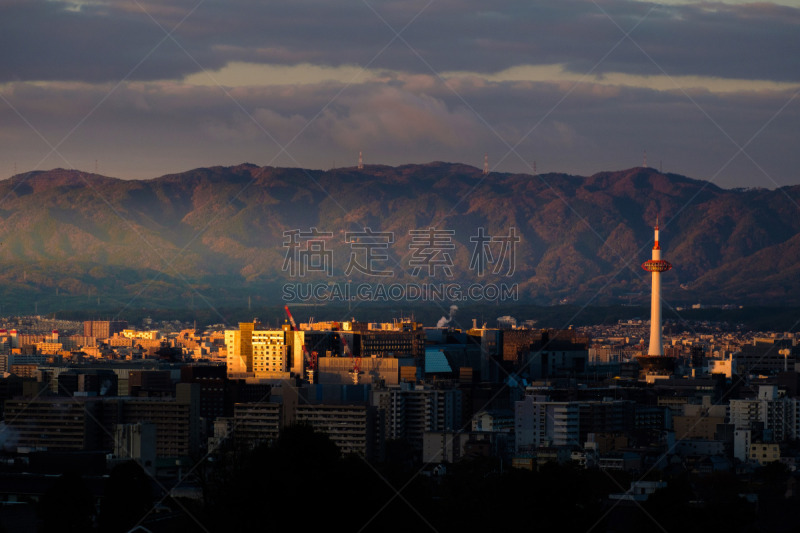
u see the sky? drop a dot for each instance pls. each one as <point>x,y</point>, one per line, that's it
<point>142,88</point>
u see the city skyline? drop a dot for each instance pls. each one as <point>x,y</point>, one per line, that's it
<point>138,90</point>
<point>509,157</point>
<point>502,404</point>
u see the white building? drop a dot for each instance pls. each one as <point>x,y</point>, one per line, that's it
<point>722,366</point>
<point>541,422</point>
<point>777,414</point>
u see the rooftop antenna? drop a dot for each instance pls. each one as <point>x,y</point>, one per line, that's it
<point>360,161</point>
<point>95,166</point>
<point>485,164</point>
<point>644,163</point>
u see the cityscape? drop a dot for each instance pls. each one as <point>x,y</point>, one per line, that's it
<point>155,421</point>
<point>399,266</point>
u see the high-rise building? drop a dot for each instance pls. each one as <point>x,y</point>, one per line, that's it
<point>246,343</point>
<point>234,362</point>
<point>410,411</point>
<point>348,426</point>
<point>257,352</point>
<point>103,329</point>
<point>542,422</point>
<point>213,382</point>
<point>256,423</point>
<point>268,351</point>
<point>768,410</point>
<point>176,419</point>
<point>88,423</point>
<point>53,423</point>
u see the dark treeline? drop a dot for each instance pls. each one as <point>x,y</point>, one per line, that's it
<point>302,477</point>
<point>301,481</point>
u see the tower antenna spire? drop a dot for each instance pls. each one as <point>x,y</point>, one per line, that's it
<point>360,161</point>
<point>485,164</point>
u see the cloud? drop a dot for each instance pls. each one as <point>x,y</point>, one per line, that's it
<point>406,119</point>
<point>107,41</point>
<point>559,81</point>
<point>145,129</point>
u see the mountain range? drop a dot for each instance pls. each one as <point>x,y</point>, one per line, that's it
<point>221,235</point>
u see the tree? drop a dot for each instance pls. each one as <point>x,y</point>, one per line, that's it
<point>128,498</point>
<point>68,505</point>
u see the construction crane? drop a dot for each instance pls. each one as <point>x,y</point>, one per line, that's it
<point>310,359</point>
<point>356,370</point>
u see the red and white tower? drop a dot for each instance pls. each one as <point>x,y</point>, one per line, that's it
<point>656,266</point>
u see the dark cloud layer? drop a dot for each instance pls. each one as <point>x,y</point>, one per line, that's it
<point>107,41</point>
<point>102,81</point>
